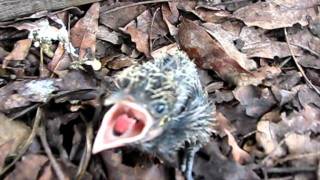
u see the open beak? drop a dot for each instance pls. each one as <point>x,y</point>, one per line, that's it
<point>126,122</point>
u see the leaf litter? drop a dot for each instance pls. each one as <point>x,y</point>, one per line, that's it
<point>259,62</point>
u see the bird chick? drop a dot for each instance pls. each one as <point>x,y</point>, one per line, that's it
<point>159,108</point>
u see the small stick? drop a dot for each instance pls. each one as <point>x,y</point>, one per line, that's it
<point>26,144</point>
<point>280,170</point>
<point>85,159</point>
<point>151,28</point>
<point>298,65</point>
<point>135,4</point>
<point>54,163</point>
<point>298,156</point>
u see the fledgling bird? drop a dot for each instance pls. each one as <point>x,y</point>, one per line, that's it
<point>159,108</point>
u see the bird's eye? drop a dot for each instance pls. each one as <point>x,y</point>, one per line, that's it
<point>159,107</point>
<point>123,83</point>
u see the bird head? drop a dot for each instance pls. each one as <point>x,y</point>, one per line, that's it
<point>141,107</point>
<point>160,103</point>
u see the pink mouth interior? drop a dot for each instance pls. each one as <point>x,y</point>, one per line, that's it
<point>124,123</point>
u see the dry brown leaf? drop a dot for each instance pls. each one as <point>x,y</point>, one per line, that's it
<point>257,44</point>
<point>170,15</point>
<point>119,61</point>
<point>208,53</point>
<point>108,35</point>
<point>118,170</point>
<point>226,40</point>
<point>13,130</point>
<point>69,171</point>
<point>256,101</point>
<point>60,61</point>
<point>20,51</point>
<point>299,144</point>
<point>121,17</point>
<point>238,154</point>
<point>5,149</point>
<point>23,93</point>
<point>28,168</point>
<point>268,136</point>
<point>307,96</point>
<point>171,12</point>
<point>304,121</point>
<point>309,61</point>
<point>314,76</point>
<point>141,39</point>
<point>219,167</point>
<point>147,26</point>
<point>272,15</point>
<point>216,16</point>
<point>83,33</point>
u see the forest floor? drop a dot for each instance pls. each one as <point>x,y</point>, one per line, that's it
<point>259,61</point>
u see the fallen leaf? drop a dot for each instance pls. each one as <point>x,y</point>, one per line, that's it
<point>236,114</point>
<point>170,15</point>
<point>299,144</point>
<point>147,27</point>
<point>120,62</point>
<point>272,15</point>
<point>20,51</point>
<point>304,121</point>
<point>257,44</point>
<point>120,171</point>
<point>238,154</point>
<point>268,136</point>
<point>226,40</point>
<point>286,80</point>
<point>256,101</point>
<point>23,93</point>
<point>83,33</point>
<point>213,16</point>
<point>60,61</point>
<point>13,130</point>
<point>308,96</point>
<point>105,34</point>
<point>314,76</point>
<point>28,168</point>
<point>141,39</point>
<point>5,149</point>
<point>208,53</point>
<point>119,18</point>
<point>69,171</point>
<point>219,167</point>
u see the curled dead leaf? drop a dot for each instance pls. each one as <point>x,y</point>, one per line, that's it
<point>208,53</point>
<point>20,51</point>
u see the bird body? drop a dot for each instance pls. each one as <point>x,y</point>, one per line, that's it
<point>160,107</point>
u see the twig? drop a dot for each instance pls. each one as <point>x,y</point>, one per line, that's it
<point>284,62</point>
<point>298,65</point>
<point>318,170</point>
<point>307,49</point>
<point>135,4</point>
<point>249,134</point>
<point>261,164</point>
<point>27,142</point>
<point>151,28</point>
<point>87,152</point>
<point>208,5</point>
<point>41,61</point>
<point>54,163</point>
<point>280,170</point>
<point>298,156</point>
<point>24,111</point>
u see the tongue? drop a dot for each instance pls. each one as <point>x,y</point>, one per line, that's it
<point>123,123</point>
